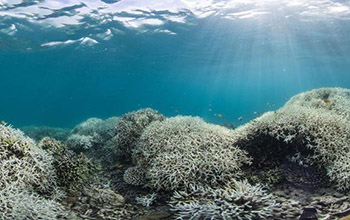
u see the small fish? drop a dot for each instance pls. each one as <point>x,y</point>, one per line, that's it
<point>3,122</point>
<point>210,109</point>
<point>240,118</point>
<point>255,113</point>
<point>268,103</point>
<point>120,166</point>
<point>327,101</point>
<point>220,115</point>
<point>176,111</point>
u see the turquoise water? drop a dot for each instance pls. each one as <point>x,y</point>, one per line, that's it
<point>62,62</point>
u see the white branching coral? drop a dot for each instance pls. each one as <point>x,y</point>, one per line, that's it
<point>24,204</point>
<point>146,200</point>
<point>27,174</point>
<point>23,163</point>
<point>315,124</point>
<point>130,127</point>
<point>237,200</point>
<point>180,151</point>
<point>93,134</point>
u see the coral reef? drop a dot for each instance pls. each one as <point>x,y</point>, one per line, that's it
<point>135,176</point>
<point>94,138</point>
<point>23,163</point>
<point>71,169</point>
<point>237,200</point>
<point>18,203</point>
<point>317,130</point>
<point>27,179</point>
<point>146,200</point>
<point>181,151</point>
<point>84,136</point>
<point>39,132</point>
<point>129,129</point>
<point>93,202</point>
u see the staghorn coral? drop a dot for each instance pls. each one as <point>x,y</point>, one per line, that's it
<point>237,200</point>
<point>87,127</point>
<point>27,179</point>
<point>72,170</point>
<point>18,203</point>
<point>129,129</point>
<point>146,200</point>
<point>84,136</point>
<point>180,151</point>
<point>335,100</point>
<point>80,143</point>
<point>94,138</point>
<point>318,131</point>
<point>23,163</point>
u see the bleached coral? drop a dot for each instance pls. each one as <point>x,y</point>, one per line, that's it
<point>87,127</point>
<point>92,134</point>
<point>130,127</point>
<point>79,143</point>
<point>180,151</point>
<point>146,200</point>
<point>135,176</point>
<point>27,179</point>
<point>335,100</point>
<point>23,163</point>
<point>71,169</point>
<point>23,204</point>
<point>237,200</point>
<point>317,130</point>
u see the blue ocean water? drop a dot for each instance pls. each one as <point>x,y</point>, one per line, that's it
<point>62,65</point>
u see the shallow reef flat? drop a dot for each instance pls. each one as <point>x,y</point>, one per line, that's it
<point>292,163</point>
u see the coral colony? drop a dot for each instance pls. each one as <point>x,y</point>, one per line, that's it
<point>143,165</point>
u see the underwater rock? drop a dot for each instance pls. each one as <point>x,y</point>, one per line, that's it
<point>306,125</point>
<point>129,129</point>
<point>39,132</point>
<point>181,151</point>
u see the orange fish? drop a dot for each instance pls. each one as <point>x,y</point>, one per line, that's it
<point>327,101</point>
<point>120,166</point>
<point>219,115</point>
<point>176,111</point>
<point>3,122</point>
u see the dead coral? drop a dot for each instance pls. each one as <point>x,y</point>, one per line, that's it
<point>237,200</point>
<point>181,151</point>
<point>319,132</point>
<point>129,129</point>
<point>72,170</point>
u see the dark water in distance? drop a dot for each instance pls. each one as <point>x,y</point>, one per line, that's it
<point>202,66</point>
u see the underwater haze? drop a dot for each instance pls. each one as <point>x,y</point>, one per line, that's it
<point>63,61</point>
